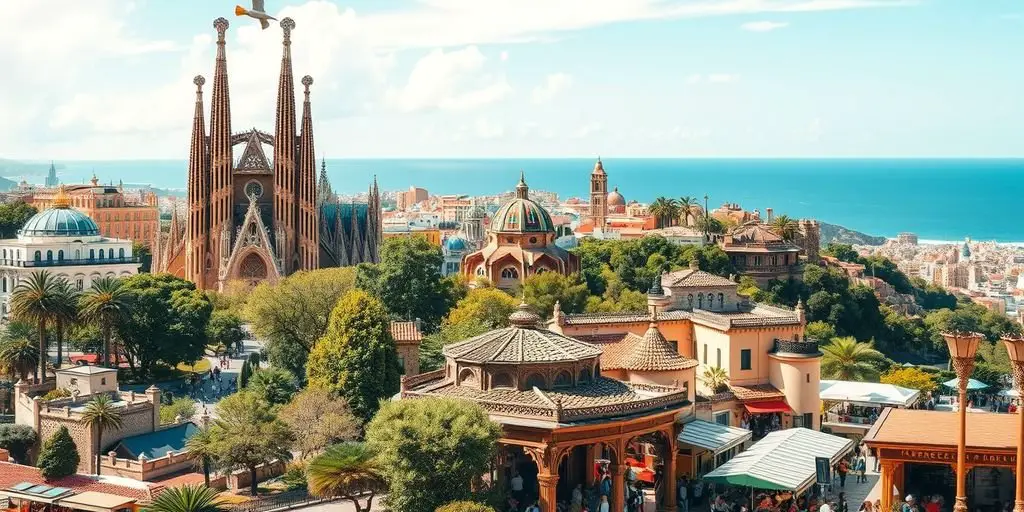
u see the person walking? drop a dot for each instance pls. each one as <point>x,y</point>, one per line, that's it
<point>683,504</point>
<point>861,466</point>
<point>844,468</point>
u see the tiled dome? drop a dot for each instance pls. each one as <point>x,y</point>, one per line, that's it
<point>60,222</point>
<point>522,214</point>
<point>455,243</point>
<point>616,199</point>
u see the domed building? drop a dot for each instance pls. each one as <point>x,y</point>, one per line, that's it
<point>520,243</point>
<point>66,243</point>
<point>616,203</point>
<point>453,249</point>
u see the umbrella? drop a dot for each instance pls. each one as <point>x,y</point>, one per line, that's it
<point>972,385</point>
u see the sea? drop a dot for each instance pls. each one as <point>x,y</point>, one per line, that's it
<point>938,199</point>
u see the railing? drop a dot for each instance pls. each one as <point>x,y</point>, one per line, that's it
<point>833,417</point>
<point>67,262</point>
<point>801,348</point>
<point>283,501</point>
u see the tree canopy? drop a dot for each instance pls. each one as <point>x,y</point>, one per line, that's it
<point>17,440</point>
<point>542,291</point>
<point>13,216</point>
<point>59,455</point>
<point>489,305</point>
<point>318,419</point>
<point>910,377</point>
<point>248,434</point>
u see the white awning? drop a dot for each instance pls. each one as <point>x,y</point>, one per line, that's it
<point>783,460</point>
<point>867,393</point>
<point>712,436</point>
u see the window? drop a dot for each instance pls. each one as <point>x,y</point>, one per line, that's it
<point>60,255</point>
<point>745,359</point>
<point>120,253</point>
<point>535,380</point>
<point>808,378</point>
<point>803,420</point>
<point>401,363</point>
<point>722,418</point>
<point>4,289</point>
<point>584,376</point>
<point>718,356</point>
<point>689,299</point>
<point>78,254</point>
<point>705,353</point>
<point>103,381</point>
<point>101,254</point>
<point>92,254</point>
<point>110,253</point>
<point>501,380</point>
<point>700,301</point>
<point>721,301</point>
<point>49,255</point>
<point>563,380</point>
<point>509,273</point>
<point>711,301</point>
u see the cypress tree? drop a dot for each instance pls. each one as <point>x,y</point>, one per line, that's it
<point>59,456</point>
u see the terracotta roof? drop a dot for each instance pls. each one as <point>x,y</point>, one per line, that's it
<point>13,474</point>
<point>523,342</point>
<point>939,428</point>
<point>756,392</point>
<point>405,332</point>
<point>693,278</point>
<point>622,318</point>
<point>650,352</point>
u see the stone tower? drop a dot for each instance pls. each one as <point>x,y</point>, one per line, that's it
<point>810,239</point>
<point>598,195</point>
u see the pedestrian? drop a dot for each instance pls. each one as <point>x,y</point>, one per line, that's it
<point>840,505</point>
<point>698,491</point>
<point>844,468</point>
<point>860,466</point>
<point>683,502</point>
<point>866,506</point>
<point>603,507</point>
<point>577,499</point>
<point>932,504</point>
<point>908,504</point>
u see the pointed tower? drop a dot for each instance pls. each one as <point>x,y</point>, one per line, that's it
<point>198,182</point>
<point>522,191</point>
<point>324,194</point>
<point>285,145</point>
<point>378,223</point>
<point>221,161</point>
<point>51,177</point>
<point>309,225</point>
<point>598,195</point>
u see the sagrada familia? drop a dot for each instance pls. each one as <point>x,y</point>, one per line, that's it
<point>258,219</point>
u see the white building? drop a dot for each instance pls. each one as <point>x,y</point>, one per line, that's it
<point>66,243</point>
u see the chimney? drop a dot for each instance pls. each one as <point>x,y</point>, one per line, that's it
<point>5,456</point>
<point>769,215</point>
<point>419,325</point>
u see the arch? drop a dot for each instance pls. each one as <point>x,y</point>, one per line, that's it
<point>536,380</point>
<point>584,376</point>
<point>721,301</point>
<point>49,255</point>
<point>563,379</point>
<point>38,256</point>
<point>110,253</point>
<point>509,273</point>
<point>60,255</point>
<point>252,267</point>
<point>502,380</point>
<point>711,300</point>
<point>689,299</point>
<point>700,301</point>
<point>120,253</point>
<point>467,377</point>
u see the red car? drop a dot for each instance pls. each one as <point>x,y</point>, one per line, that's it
<point>94,359</point>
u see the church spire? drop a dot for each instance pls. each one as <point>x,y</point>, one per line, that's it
<point>522,191</point>
<point>324,194</point>
<point>309,234</point>
<point>198,183</point>
<point>285,145</point>
<point>220,159</point>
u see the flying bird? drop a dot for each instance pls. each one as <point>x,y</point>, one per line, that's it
<point>256,13</point>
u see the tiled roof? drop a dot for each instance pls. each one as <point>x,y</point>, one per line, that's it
<point>756,392</point>
<point>13,474</point>
<point>939,428</point>
<point>650,352</point>
<point>158,443</point>
<point>523,342</point>
<point>622,318</point>
<point>405,332</point>
<point>693,278</point>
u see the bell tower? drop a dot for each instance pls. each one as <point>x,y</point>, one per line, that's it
<point>598,195</point>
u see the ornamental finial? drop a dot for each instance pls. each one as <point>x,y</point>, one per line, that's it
<point>287,25</point>
<point>306,82</point>
<point>221,25</point>
<point>61,200</point>
<point>200,82</point>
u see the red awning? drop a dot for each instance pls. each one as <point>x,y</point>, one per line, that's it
<point>767,406</point>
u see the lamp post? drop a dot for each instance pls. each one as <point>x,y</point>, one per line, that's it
<point>1015,347</point>
<point>962,348</point>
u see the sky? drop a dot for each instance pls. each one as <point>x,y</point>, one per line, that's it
<point>112,79</point>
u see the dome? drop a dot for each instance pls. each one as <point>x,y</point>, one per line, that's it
<point>455,243</point>
<point>522,214</point>
<point>60,222</point>
<point>616,199</point>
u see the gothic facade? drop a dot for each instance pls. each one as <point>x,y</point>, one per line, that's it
<point>256,218</point>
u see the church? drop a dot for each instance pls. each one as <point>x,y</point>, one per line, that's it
<point>256,219</point>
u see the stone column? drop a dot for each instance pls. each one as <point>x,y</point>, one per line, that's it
<point>548,484</point>
<point>153,395</point>
<point>886,477</point>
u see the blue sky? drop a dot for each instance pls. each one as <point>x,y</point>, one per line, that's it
<point>111,79</point>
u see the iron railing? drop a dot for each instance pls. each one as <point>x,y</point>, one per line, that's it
<point>283,501</point>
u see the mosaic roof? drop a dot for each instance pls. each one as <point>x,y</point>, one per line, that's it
<point>695,278</point>
<point>60,222</point>
<point>522,342</point>
<point>650,352</point>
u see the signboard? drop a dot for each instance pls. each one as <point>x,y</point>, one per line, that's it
<point>948,456</point>
<point>823,470</point>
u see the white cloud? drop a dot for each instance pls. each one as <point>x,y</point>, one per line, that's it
<point>763,26</point>
<point>722,78</point>
<point>485,129</point>
<point>448,81</point>
<point>553,85</point>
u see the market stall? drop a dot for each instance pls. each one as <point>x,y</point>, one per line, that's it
<point>704,445</point>
<point>854,406</point>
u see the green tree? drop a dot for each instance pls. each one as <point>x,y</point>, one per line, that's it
<point>490,305</point>
<point>716,379</point>
<point>166,322</point>
<point>59,456</point>
<point>464,506</point>
<point>101,414</point>
<point>184,407</point>
<point>248,434</point>
<point>785,226</point>
<point>65,315</point>
<point>357,358</point>
<point>819,330</point>
<point>105,304</point>
<point>909,377</point>
<point>35,301</point>
<point>18,357</point>
<point>408,281</point>
<point>292,315</point>
<point>848,359</point>
<point>141,251</point>
<point>274,385</point>
<point>347,471</point>
<point>431,357</point>
<point>686,206</point>
<point>13,216</point>
<point>17,440</point>
<point>201,448</point>
<point>187,498</point>
<point>542,291</point>
<point>225,328</point>
<point>318,419</point>
<point>842,252</point>
<point>431,450</point>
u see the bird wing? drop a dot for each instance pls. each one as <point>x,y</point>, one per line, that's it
<point>264,23</point>
<point>257,5</point>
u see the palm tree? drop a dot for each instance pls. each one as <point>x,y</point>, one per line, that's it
<point>35,301</point>
<point>686,204</point>
<point>65,314</point>
<point>18,357</point>
<point>101,414</point>
<point>785,226</point>
<point>848,359</point>
<point>347,471</point>
<point>658,209</point>
<point>188,498</point>
<point>716,378</point>
<point>106,303</point>
<point>200,446</point>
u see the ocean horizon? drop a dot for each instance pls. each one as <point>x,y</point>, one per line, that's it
<point>937,199</point>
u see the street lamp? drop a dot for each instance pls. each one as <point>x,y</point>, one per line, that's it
<point>962,348</point>
<point>1015,347</point>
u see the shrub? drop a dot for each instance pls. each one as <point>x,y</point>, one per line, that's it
<point>184,407</point>
<point>59,456</point>
<point>294,477</point>
<point>464,506</point>
<point>17,439</point>
<point>57,393</point>
<point>275,385</point>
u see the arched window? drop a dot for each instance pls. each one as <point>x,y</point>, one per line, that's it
<point>584,376</point>
<point>60,255</point>
<point>5,254</point>
<point>563,380</point>
<point>700,300</point>
<point>468,378</point>
<point>78,254</point>
<point>5,284</point>
<point>38,256</point>
<point>721,301</point>
<point>501,380</point>
<point>711,301</point>
<point>689,299</point>
<point>535,380</point>
<point>110,253</point>
<point>509,273</point>
<point>92,254</point>
<point>120,254</point>
<point>480,270</point>
<point>101,254</point>
<point>49,255</point>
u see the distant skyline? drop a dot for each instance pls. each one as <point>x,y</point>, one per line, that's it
<point>112,79</point>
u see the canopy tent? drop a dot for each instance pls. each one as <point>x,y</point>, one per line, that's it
<point>783,460</point>
<point>767,406</point>
<point>972,385</point>
<point>712,436</point>
<point>868,393</point>
<point>1012,393</point>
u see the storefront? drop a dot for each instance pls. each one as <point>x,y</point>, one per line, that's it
<point>917,453</point>
<point>703,446</point>
<point>852,407</point>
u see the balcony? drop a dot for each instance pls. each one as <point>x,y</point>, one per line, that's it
<point>68,262</point>
<point>793,348</point>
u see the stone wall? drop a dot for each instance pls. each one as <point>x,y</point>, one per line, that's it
<point>145,469</point>
<point>136,418</point>
<point>241,479</point>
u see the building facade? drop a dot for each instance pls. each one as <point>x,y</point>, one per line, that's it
<point>756,251</point>
<point>407,199</point>
<point>256,218</point>
<point>66,243</point>
<point>598,195</point>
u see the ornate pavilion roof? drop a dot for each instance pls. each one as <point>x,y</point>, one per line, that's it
<point>695,278</point>
<point>650,352</point>
<point>523,342</point>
